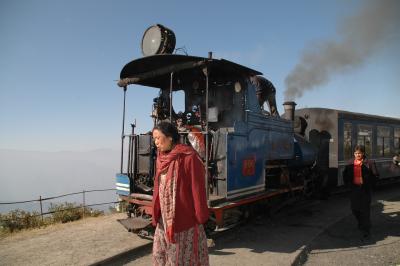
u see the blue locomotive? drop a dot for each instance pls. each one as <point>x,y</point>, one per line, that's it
<point>251,154</point>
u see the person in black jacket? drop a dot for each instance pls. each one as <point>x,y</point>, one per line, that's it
<point>360,175</point>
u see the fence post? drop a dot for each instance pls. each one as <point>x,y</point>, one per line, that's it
<point>83,205</point>
<point>41,207</point>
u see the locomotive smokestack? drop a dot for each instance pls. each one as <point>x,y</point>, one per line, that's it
<point>289,110</point>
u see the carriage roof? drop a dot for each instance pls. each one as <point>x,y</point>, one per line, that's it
<point>350,115</point>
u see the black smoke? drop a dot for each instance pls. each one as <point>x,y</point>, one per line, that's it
<point>360,36</point>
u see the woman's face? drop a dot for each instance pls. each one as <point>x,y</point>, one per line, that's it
<point>358,155</point>
<point>163,143</point>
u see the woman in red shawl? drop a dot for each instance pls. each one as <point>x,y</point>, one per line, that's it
<point>179,201</point>
<point>360,175</point>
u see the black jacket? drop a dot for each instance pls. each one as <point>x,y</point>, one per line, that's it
<point>368,171</point>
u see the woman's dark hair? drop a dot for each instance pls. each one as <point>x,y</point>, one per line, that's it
<point>360,148</point>
<point>169,130</point>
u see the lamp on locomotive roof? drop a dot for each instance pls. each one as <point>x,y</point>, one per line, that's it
<point>158,39</point>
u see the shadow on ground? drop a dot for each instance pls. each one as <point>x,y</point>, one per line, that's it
<point>301,225</point>
<point>385,221</point>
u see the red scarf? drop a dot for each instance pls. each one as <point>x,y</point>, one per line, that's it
<point>357,180</point>
<point>169,163</point>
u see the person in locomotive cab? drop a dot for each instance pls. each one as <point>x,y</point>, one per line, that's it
<point>396,159</point>
<point>194,135</point>
<point>265,91</point>
<point>360,175</point>
<point>180,123</point>
<point>179,201</point>
<point>161,107</point>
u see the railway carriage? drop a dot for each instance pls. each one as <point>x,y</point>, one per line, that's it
<point>334,133</point>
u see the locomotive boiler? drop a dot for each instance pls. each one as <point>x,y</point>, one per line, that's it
<point>251,154</point>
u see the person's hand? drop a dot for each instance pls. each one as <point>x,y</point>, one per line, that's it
<point>170,235</point>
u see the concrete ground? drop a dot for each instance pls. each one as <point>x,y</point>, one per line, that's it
<point>314,233</point>
<point>82,242</point>
<point>341,243</point>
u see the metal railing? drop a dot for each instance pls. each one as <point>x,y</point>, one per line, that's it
<point>83,206</point>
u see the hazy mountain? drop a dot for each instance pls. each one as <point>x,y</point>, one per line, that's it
<point>26,175</point>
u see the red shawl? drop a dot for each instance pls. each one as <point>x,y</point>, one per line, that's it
<point>172,164</point>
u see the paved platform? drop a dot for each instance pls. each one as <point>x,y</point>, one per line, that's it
<point>342,244</point>
<point>82,242</point>
<point>288,237</point>
<point>284,239</point>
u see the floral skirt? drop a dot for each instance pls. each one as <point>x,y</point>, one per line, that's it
<point>190,248</point>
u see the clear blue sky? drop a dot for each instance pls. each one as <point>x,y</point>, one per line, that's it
<point>59,60</point>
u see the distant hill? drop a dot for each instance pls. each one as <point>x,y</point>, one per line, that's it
<point>26,175</point>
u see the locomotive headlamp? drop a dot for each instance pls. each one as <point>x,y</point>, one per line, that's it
<point>158,40</point>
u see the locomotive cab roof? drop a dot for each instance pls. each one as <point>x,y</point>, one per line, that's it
<point>155,70</point>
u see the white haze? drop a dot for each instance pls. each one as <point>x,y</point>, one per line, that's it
<point>26,175</point>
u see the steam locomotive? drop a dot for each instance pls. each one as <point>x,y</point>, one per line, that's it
<point>251,154</point>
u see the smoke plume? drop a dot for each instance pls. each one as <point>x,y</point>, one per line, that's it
<point>359,37</point>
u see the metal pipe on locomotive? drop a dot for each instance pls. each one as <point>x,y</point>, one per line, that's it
<point>250,155</point>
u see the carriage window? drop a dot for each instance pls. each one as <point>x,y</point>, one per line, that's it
<point>383,141</point>
<point>364,137</point>
<point>397,140</point>
<point>347,150</point>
